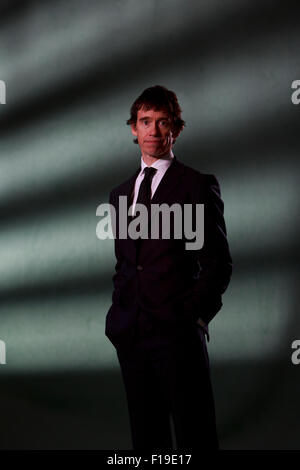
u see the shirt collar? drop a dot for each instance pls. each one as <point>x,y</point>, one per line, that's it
<point>161,164</point>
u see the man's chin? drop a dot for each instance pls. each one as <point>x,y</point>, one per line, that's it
<point>159,153</point>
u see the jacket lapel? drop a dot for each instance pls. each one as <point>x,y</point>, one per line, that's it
<point>168,183</point>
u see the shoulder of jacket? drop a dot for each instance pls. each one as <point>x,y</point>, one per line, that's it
<point>197,175</point>
<point>121,187</point>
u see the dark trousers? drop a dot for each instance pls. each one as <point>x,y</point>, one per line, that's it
<point>166,377</point>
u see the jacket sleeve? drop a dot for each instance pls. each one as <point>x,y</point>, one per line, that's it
<point>204,300</point>
<point>115,229</point>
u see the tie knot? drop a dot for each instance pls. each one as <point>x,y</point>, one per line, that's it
<point>149,172</point>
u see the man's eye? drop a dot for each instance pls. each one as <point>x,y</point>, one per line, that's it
<point>146,123</point>
<point>164,123</point>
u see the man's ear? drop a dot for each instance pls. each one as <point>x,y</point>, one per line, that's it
<point>133,129</point>
<point>175,134</point>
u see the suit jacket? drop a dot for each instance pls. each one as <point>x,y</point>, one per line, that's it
<point>171,285</point>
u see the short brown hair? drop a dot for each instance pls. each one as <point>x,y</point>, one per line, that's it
<point>158,97</point>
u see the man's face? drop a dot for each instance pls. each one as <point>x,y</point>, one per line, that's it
<point>153,130</point>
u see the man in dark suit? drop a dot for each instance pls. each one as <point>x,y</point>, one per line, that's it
<point>165,295</point>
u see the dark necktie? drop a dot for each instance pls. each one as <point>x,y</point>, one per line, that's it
<point>144,196</point>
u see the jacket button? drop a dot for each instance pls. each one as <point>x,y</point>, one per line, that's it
<point>139,267</point>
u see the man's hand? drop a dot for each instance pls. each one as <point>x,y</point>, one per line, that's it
<point>201,322</point>
<point>204,327</point>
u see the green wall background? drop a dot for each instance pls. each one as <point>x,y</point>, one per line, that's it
<point>72,69</point>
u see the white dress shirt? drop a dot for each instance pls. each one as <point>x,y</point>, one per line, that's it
<point>161,165</point>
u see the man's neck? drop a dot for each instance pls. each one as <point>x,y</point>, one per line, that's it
<point>149,160</point>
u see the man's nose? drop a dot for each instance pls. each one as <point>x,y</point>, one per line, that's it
<point>155,130</point>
